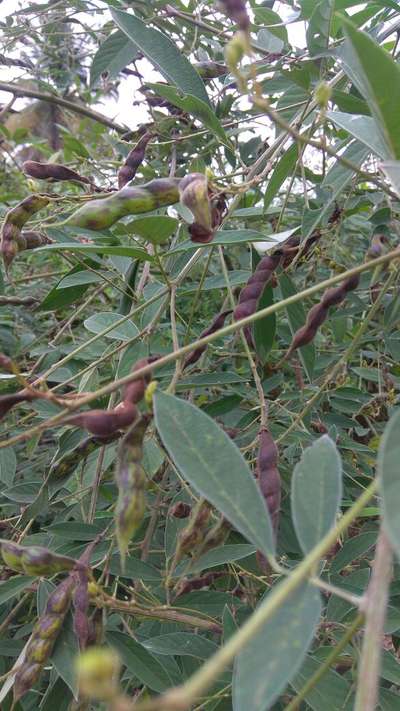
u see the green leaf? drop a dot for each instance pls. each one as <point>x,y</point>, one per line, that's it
<point>58,298</point>
<point>101,321</point>
<point>162,53</point>
<point>361,127</point>
<point>139,661</point>
<point>116,52</point>
<point>319,27</point>
<point>181,644</point>
<point>57,696</point>
<point>330,692</point>
<point>217,556</point>
<point>284,167</point>
<point>271,659</point>
<point>377,76</point>
<point>8,465</point>
<point>83,277</point>
<point>155,229</point>
<point>391,168</point>
<point>231,238</point>
<point>196,107</point>
<point>316,492</point>
<point>134,252</point>
<point>211,462</point>
<point>389,481</point>
<point>14,586</point>
<point>297,318</point>
<point>65,653</point>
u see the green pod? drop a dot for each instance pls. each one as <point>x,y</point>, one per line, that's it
<point>40,561</point>
<point>103,213</point>
<point>131,504</point>
<point>12,555</point>
<point>21,213</point>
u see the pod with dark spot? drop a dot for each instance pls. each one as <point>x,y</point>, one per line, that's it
<point>180,510</point>
<point>15,219</point>
<point>133,160</point>
<point>193,192</point>
<point>53,172</point>
<point>216,324</point>
<point>35,560</point>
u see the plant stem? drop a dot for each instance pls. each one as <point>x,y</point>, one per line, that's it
<point>325,666</point>
<point>375,612</point>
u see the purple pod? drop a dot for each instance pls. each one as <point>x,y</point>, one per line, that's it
<point>216,324</point>
<point>268,475</point>
<point>245,309</point>
<point>251,291</point>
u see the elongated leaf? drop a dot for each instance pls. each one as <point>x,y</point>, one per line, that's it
<point>14,586</point>
<point>99,322</point>
<point>234,237</point>
<point>134,252</point>
<point>116,52</point>
<point>139,661</point>
<point>282,170</point>
<point>8,465</point>
<point>320,26</point>
<point>363,128</point>
<point>181,644</point>
<point>377,76</point>
<point>196,107</point>
<point>211,462</point>
<point>217,556</point>
<point>64,654</point>
<point>330,692</point>
<point>389,481</point>
<point>155,228</point>
<point>335,181</point>
<point>316,492</point>
<point>267,664</point>
<point>297,318</point>
<point>162,53</point>
<point>391,168</point>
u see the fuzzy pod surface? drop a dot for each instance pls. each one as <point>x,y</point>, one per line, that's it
<point>43,638</point>
<point>53,172</point>
<point>102,213</point>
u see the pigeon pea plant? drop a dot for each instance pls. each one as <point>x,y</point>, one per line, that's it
<point>200,430</point>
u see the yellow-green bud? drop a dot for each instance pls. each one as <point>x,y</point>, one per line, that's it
<point>322,94</point>
<point>98,671</point>
<point>149,392</point>
<point>235,50</point>
<point>12,555</point>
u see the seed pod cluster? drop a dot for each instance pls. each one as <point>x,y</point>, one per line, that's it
<point>35,560</point>
<point>103,213</point>
<point>53,172</point>
<point>43,638</point>
<point>133,160</point>
<point>252,292</point>
<point>236,10</point>
<point>319,312</point>
<point>268,477</point>
<point>216,324</point>
<point>131,482</point>
<point>12,240</point>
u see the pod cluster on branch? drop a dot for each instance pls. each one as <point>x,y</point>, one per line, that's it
<point>53,172</point>
<point>43,638</point>
<point>133,160</point>
<point>13,239</point>
<point>319,312</point>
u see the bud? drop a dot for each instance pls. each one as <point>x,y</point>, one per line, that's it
<point>322,94</point>
<point>149,392</point>
<point>98,671</point>
<point>234,51</point>
<point>94,590</point>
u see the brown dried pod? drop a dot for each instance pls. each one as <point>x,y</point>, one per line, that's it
<point>194,532</point>
<point>252,292</point>
<point>53,172</point>
<point>103,423</point>
<point>81,608</point>
<point>133,160</point>
<point>268,475</point>
<point>134,391</point>
<point>216,324</point>
<point>7,402</point>
<point>14,220</point>
<point>180,510</point>
<point>319,312</point>
<point>204,581</point>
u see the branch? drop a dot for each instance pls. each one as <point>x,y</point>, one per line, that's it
<point>58,100</point>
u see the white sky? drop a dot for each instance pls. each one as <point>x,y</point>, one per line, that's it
<point>121,109</point>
